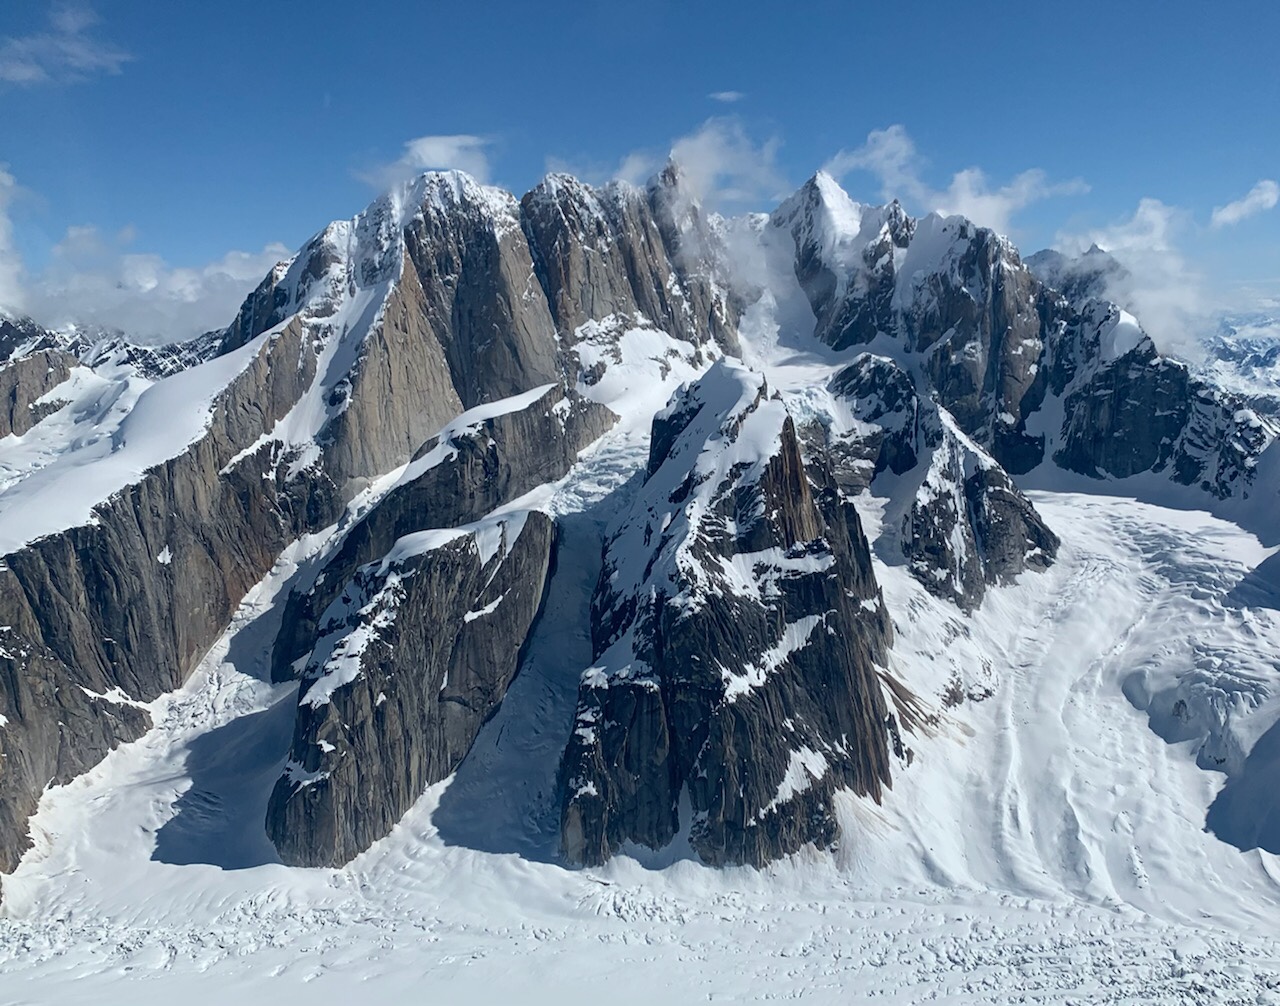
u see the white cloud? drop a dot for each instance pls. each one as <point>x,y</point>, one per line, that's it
<point>1259,199</point>
<point>1161,287</point>
<point>720,166</point>
<point>65,52</point>
<point>638,167</point>
<point>891,155</point>
<point>723,167</point>
<point>1152,227</point>
<point>727,97</point>
<point>94,279</point>
<point>433,153</point>
<point>10,263</point>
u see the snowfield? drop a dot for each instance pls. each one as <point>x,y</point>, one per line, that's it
<point>1044,846</point>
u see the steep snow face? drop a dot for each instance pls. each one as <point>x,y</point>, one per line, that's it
<point>117,423</point>
<point>826,223</point>
<point>736,427</point>
<point>1122,336</point>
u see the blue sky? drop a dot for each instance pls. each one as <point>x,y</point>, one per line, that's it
<point>159,155</point>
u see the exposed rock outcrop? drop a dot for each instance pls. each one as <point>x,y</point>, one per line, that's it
<point>966,525</point>
<point>24,381</point>
<point>485,458</point>
<point>412,658</point>
<point>126,605</point>
<point>1128,410</point>
<point>738,629</point>
<point>620,251</point>
<point>341,388</point>
<point>739,636</point>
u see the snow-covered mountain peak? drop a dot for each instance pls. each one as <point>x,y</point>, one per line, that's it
<point>449,192</point>
<point>825,221</point>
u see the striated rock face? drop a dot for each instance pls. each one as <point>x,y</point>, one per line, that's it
<point>468,336</point>
<point>483,302</point>
<point>398,393</point>
<point>882,398</point>
<point>954,295</point>
<point>738,632</point>
<point>23,382</point>
<point>486,458</point>
<point>620,251</point>
<point>412,658</point>
<point>412,632</point>
<point>345,381</point>
<point>122,609</point>
<point>966,525</point>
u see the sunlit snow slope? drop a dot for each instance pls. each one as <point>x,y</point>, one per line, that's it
<point>1091,758</point>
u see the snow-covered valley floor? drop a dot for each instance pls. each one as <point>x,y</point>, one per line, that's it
<point>1045,845</point>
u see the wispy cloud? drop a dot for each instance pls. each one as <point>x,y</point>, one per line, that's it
<point>65,52</point>
<point>891,156</point>
<point>722,166</point>
<point>726,97</point>
<point>10,263</point>
<point>1259,199</point>
<point>95,278</point>
<point>462,151</point>
<point>1161,287</point>
<point>98,279</point>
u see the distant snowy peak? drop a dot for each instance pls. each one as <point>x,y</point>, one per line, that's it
<point>97,347</point>
<point>1243,356</point>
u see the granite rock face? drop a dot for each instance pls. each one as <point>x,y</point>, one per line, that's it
<point>120,610</point>
<point>400,660</point>
<point>27,380</point>
<point>992,341</point>
<point>952,294</point>
<point>480,462</point>
<point>483,302</point>
<point>345,376</point>
<point>411,659</point>
<point>625,252</point>
<point>739,638</point>
<point>1128,410</point>
<point>966,525</point>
